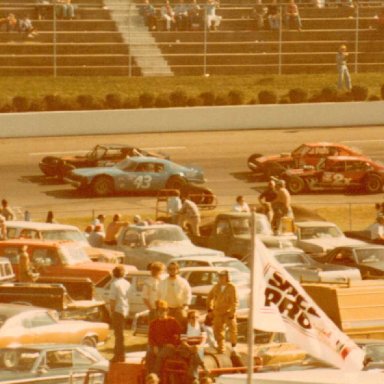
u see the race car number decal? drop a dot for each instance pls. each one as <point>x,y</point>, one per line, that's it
<point>142,182</point>
<point>335,178</point>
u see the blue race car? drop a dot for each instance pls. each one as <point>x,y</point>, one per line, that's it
<point>135,174</point>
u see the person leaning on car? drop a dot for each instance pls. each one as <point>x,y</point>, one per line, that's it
<point>222,302</point>
<point>26,270</point>
<point>113,230</point>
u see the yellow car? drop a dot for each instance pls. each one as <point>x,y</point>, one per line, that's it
<point>24,324</point>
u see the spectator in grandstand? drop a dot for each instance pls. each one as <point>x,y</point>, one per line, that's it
<point>319,3</point>
<point>380,21</point>
<point>43,9</point>
<point>181,16</point>
<point>273,16</point>
<point>168,15</point>
<point>25,26</point>
<point>50,218</point>
<point>65,9</point>
<point>194,16</point>
<point>213,20</point>
<point>148,11</point>
<point>258,13</point>
<point>292,16</point>
<point>342,68</point>
<point>11,23</point>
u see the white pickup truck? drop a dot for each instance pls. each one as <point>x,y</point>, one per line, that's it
<point>157,242</point>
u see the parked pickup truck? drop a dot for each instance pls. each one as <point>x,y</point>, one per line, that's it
<point>231,233</point>
<point>157,242</point>
<point>53,296</point>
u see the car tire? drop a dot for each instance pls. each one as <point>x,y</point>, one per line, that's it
<point>51,166</point>
<point>102,186</point>
<point>373,184</point>
<point>295,185</point>
<point>89,341</point>
<point>176,182</point>
<point>251,162</point>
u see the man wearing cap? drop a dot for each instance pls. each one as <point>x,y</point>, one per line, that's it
<point>176,291</point>
<point>118,300</point>
<point>163,338</point>
<point>222,302</point>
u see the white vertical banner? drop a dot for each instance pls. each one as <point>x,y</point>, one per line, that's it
<point>281,304</point>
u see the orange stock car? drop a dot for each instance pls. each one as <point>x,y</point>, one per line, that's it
<point>25,324</point>
<point>58,259</point>
<point>305,154</point>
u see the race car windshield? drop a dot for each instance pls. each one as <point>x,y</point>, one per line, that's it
<point>367,256</point>
<point>164,235</point>
<point>126,165</point>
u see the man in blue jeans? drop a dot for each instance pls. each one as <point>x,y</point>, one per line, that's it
<point>342,68</point>
<point>118,300</point>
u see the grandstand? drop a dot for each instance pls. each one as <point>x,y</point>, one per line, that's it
<point>109,37</point>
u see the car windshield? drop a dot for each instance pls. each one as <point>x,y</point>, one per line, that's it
<point>64,234</point>
<point>300,151</point>
<point>320,232</point>
<point>18,360</point>
<point>126,165</point>
<point>73,255</point>
<point>169,234</point>
<point>97,153</point>
<point>367,256</point>
<point>291,258</point>
<point>237,264</point>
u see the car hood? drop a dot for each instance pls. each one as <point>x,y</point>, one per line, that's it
<point>104,255</point>
<point>327,244</point>
<point>325,273</point>
<point>272,241</point>
<point>90,172</point>
<point>73,159</point>
<point>182,248</point>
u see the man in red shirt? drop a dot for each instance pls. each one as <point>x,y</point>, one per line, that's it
<point>163,338</point>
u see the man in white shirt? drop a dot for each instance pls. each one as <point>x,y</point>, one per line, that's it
<point>118,301</point>
<point>174,205</point>
<point>151,288</point>
<point>176,291</point>
<point>377,229</point>
<point>241,205</point>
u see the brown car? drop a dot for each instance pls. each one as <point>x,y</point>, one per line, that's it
<point>100,156</point>
<point>58,258</point>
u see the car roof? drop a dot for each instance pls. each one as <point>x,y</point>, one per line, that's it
<point>43,243</point>
<point>144,159</point>
<point>203,258</point>
<point>293,250</point>
<point>325,144</point>
<point>314,223</point>
<point>11,309</point>
<point>361,245</point>
<point>349,158</point>
<point>209,269</point>
<point>114,146</point>
<point>39,226</point>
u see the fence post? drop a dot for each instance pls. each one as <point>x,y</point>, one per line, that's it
<point>350,216</point>
<point>54,52</point>
<point>280,39</point>
<point>205,35</point>
<point>357,15</point>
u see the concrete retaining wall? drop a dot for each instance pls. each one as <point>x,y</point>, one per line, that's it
<point>191,119</point>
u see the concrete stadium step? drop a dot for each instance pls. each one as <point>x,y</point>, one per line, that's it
<point>136,35</point>
<point>75,25</point>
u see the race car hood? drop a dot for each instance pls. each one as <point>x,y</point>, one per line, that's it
<point>182,248</point>
<point>91,172</point>
<point>73,159</point>
<point>263,159</point>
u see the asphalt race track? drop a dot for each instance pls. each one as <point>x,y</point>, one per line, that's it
<point>222,155</point>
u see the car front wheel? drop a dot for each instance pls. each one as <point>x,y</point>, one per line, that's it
<point>251,162</point>
<point>295,185</point>
<point>102,186</point>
